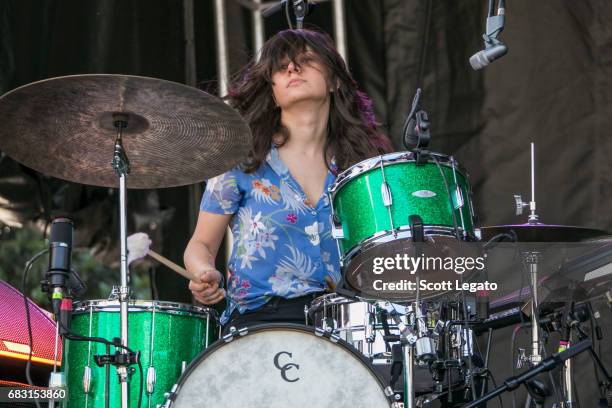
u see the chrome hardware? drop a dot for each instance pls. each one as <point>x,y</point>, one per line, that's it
<point>151,379</point>
<point>87,379</point>
<point>385,191</point>
<point>519,204</point>
<point>458,200</point>
<point>337,229</point>
<point>425,349</point>
<point>114,295</point>
<point>522,358</point>
<point>386,195</point>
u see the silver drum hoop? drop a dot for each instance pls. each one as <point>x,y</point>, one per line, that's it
<point>104,305</point>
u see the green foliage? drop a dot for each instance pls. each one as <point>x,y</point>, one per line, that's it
<point>17,246</point>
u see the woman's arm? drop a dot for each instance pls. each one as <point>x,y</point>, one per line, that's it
<point>200,257</point>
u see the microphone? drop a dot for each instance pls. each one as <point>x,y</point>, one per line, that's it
<point>494,48</point>
<point>483,58</point>
<point>60,252</point>
<point>301,8</point>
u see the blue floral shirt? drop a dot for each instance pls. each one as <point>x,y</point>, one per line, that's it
<point>282,244</point>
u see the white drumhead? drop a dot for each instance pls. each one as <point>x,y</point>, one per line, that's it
<point>277,367</point>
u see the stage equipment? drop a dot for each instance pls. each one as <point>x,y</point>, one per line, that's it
<point>280,365</point>
<point>494,48</point>
<point>169,336</point>
<point>68,127</point>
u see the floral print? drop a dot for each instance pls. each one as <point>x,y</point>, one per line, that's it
<point>282,243</point>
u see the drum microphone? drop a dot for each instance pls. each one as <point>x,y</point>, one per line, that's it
<point>301,8</point>
<point>483,58</point>
<point>60,252</point>
<point>494,48</point>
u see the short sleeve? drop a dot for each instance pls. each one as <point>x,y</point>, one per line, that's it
<point>223,194</point>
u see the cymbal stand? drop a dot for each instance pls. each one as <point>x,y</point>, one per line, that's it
<point>532,259</point>
<point>121,165</point>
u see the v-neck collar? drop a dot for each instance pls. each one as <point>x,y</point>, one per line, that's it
<point>276,163</point>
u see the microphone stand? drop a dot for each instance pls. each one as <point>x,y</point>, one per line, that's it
<point>301,9</point>
<point>546,365</point>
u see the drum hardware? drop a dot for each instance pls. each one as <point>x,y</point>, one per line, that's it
<point>416,130</point>
<point>234,333</point>
<point>546,365</point>
<point>121,165</point>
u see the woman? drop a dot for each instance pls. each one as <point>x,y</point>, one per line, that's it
<point>308,121</point>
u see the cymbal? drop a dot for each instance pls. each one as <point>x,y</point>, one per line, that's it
<point>539,232</point>
<point>176,134</point>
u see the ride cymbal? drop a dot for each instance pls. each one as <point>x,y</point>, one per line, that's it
<point>176,135</point>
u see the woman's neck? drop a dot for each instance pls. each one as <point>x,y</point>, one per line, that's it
<point>307,127</point>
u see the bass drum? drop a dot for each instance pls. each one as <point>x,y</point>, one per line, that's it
<point>279,366</point>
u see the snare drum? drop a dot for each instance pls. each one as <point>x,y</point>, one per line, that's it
<point>353,321</point>
<point>372,202</point>
<point>279,366</point>
<point>167,334</point>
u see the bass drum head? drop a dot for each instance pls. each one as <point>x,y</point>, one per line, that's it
<point>279,366</point>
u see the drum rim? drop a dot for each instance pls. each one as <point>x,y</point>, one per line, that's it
<point>317,302</point>
<point>390,159</point>
<point>402,232</point>
<point>84,306</point>
<point>374,240</point>
<point>267,326</point>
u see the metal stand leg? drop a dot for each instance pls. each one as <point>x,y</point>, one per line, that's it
<point>122,167</point>
<point>408,351</point>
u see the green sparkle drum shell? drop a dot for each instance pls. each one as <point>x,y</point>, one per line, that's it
<point>169,336</point>
<point>415,189</point>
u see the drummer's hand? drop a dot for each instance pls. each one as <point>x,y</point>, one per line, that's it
<point>206,289</point>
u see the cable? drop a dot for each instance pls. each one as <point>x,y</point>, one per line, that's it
<point>287,15</point>
<point>602,394</point>
<point>28,265</point>
<point>77,337</point>
<point>515,332</point>
<point>490,374</point>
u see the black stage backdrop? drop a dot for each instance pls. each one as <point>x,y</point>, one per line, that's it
<point>553,88</point>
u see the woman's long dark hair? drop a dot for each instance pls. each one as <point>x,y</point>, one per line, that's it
<point>352,129</point>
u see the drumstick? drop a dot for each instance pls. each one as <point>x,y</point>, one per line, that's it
<point>139,247</point>
<point>176,268</point>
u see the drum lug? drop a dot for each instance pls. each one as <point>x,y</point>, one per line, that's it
<point>328,333</point>
<point>171,396</point>
<point>87,379</point>
<point>337,229</point>
<point>319,332</point>
<point>151,380</point>
<point>458,201</point>
<point>389,391</point>
<point>385,191</point>
<point>235,333</point>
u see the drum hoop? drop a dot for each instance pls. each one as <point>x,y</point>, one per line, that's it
<point>402,232</point>
<point>332,299</point>
<point>105,305</point>
<point>263,327</point>
<point>399,233</point>
<point>387,159</point>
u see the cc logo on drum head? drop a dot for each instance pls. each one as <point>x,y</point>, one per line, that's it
<point>283,369</point>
